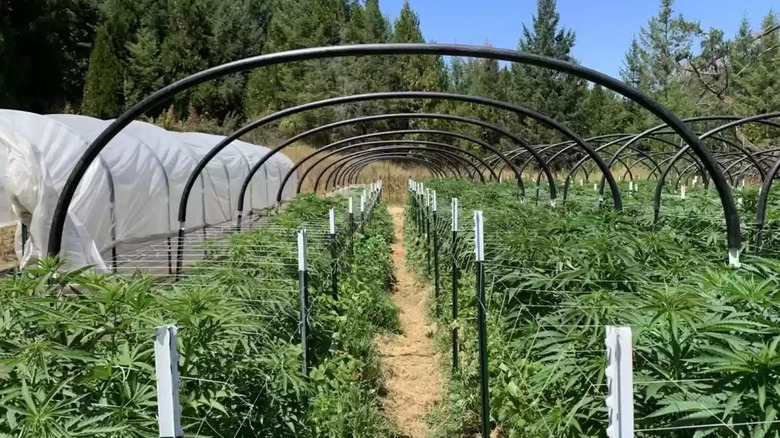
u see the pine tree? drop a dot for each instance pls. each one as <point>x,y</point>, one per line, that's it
<point>103,89</point>
<point>759,83</point>
<point>666,43</point>
<point>144,73</point>
<point>554,94</point>
<point>414,72</point>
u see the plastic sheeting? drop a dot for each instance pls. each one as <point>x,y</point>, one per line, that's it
<point>130,195</point>
<point>7,216</point>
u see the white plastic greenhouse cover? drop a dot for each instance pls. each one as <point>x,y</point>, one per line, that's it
<point>130,195</point>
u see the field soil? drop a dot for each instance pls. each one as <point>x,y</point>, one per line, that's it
<point>7,255</point>
<point>415,384</point>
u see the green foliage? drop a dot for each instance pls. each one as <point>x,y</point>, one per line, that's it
<point>704,334</point>
<point>77,357</point>
<point>103,88</point>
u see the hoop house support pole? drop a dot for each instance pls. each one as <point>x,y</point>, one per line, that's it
<point>620,383</point>
<point>435,254</point>
<point>455,275</point>
<point>362,209</point>
<point>166,364</point>
<point>479,252</point>
<point>428,231</point>
<point>303,285</point>
<point>351,229</point>
<point>334,266</point>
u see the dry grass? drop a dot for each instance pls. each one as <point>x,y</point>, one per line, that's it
<point>7,254</point>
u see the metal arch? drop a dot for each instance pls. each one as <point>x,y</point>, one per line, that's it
<point>657,128</point>
<point>742,121</point>
<point>421,150</point>
<point>653,136</point>
<point>391,117</point>
<point>360,98</point>
<point>394,145</point>
<point>415,142</point>
<point>346,174</point>
<point>582,161</point>
<point>763,198</point>
<point>69,189</point>
<point>350,170</point>
<point>384,134</point>
<point>339,164</point>
<point>344,160</point>
<point>365,161</point>
<point>432,167</point>
<point>567,143</point>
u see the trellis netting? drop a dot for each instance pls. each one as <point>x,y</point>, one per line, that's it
<point>130,196</point>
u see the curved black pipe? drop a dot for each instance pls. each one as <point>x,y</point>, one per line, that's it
<point>389,133</point>
<point>340,162</point>
<point>345,160</point>
<point>351,99</point>
<point>420,142</point>
<point>168,92</point>
<point>351,170</point>
<point>475,122</point>
<point>733,124</point>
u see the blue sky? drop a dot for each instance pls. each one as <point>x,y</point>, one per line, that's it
<point>604,28</point>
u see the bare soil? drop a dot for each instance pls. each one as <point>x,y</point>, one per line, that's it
<point>7,255</point>
<point>415,384</point>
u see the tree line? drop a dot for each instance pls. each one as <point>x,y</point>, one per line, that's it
<point>99,57</point>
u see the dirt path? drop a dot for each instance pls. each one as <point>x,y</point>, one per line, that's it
<point>415,382</point>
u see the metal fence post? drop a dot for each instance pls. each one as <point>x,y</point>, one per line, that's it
<point>479,253</point>
<point>428,232</point>
<point>351,228</point>
<point>303,286</point>
<point>435,254</point>
<point>334,267</point>
<point>455,275</point>
<point>620,383</point>
<point>166,364</point>
<point>362,208</point>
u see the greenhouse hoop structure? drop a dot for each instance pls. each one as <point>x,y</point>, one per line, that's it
<point>130,195</point>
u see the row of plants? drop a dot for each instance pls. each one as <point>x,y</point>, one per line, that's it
<point>76,348</point>
<point>705,335</point>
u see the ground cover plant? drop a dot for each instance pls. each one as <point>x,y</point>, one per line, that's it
<point>76,351</point>
<point>705,335</point>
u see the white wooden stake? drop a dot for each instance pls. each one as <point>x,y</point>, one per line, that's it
<point>454,214</point>
<point>734,258</point>
<point>581,182</point>
<point>595,186</point>
<point>166,364</point>
<point>433,205</point>
<point>620,383</point>
<point>479,237</point>
<point>350,204</point>
<point>682,191</point>
<point>630,186</point>
<point>332,220</point>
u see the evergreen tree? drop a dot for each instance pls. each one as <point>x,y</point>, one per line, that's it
<point>144,73</point>
<point>759,83</point>
<point>414,72</point>
<point>665,44</point>
<point>554,94</point>
<point>103,89</point>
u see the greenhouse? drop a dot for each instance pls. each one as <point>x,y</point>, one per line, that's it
<point>143,170</point>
